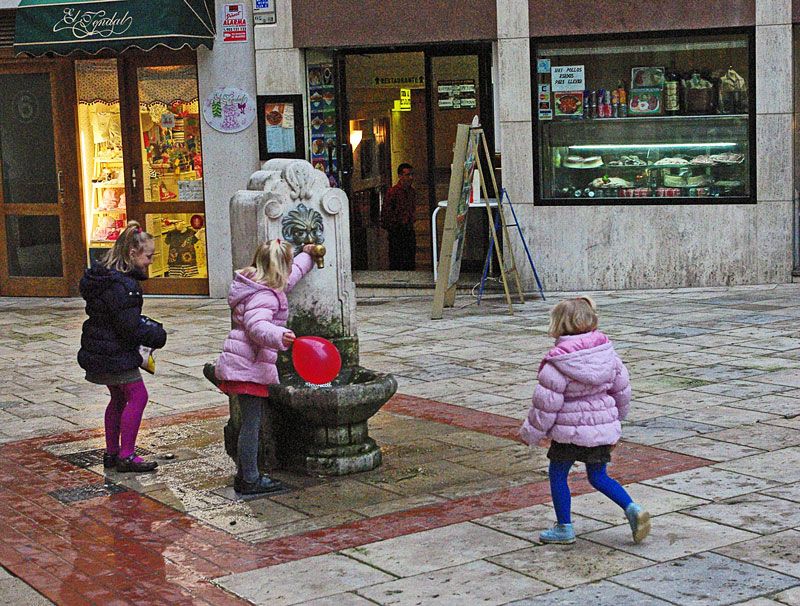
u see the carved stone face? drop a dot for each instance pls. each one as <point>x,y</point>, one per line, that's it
<point>303,226</point>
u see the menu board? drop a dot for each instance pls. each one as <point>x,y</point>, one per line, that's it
<point>279,120</point>
<point>322,100</point>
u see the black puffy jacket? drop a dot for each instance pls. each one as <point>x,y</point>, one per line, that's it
<point>116,328</point>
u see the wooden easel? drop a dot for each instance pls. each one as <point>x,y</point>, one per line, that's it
<point>470,147</point>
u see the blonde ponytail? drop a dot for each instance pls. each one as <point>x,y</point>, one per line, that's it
<point>272,264</point>
<point>131,240</point>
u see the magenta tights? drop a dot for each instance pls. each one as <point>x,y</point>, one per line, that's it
<point>123,417</point>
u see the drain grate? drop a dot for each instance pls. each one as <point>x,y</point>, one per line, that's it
<point>84,493</point>
<point>89,458</point>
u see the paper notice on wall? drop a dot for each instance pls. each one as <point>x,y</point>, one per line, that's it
<point>568,78</point>
<point>234,24</point>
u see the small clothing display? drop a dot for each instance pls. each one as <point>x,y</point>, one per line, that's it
<point>182,256</point>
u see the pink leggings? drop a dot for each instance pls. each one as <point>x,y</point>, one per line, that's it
<point>123,417</point>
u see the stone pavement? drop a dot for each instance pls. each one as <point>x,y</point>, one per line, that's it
<point>712,449</point>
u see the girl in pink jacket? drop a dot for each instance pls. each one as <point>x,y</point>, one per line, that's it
<point>247,364</point>
<point>582,395</point>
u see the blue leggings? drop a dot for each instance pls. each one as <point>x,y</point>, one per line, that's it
<point>598,478</point>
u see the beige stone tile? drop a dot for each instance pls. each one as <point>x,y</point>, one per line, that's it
<point>775,551</point>
<point>711,483</point>
<point>713,450</point>
<point>759,435</point>
<point>570,565</point>
<point>333,496</point>
<point>655,500</point>
<point>435,549</point>
<point>295,582</point>
<point>527,523</point>
<point>673,535</point>
<point>477,582</point>
<point>779,465</point>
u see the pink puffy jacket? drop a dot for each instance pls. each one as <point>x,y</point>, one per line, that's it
<point>259,319</point>
<point>583,393</point>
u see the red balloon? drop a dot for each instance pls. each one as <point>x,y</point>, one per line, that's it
<point>316,360</point>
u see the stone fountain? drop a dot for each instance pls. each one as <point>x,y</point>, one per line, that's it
<point>316,429</point>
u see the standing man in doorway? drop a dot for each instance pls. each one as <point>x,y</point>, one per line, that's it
<point>397,217</point>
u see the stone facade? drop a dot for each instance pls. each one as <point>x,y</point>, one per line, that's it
<point>613,247</point>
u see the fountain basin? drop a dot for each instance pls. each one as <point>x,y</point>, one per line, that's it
<point>325,429</point>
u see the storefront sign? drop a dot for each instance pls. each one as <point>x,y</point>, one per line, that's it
<point>568,78</point>
<point>395,81</point>
<point>403,104</point>
<point>264,12</point>
<point>229,109</point>
<point>234,25</point>
<point>456,94</point>
<point>93,24</point>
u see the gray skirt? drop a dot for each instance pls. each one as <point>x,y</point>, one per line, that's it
<point>584,454</point>
<point>116,378</point>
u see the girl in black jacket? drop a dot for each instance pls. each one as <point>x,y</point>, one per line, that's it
<point>111,338</point>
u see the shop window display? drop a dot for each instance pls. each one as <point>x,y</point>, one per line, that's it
<point>647,120</point>
<point>170,134</point>
<point>101,150</point>
<point>180,245</point>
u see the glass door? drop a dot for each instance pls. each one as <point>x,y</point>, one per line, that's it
<point>164,165</point>
<point>458,92</point>
<point>39,216</point>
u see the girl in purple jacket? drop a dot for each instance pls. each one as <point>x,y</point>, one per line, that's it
<point>582,395</point>
<point>247,364</point>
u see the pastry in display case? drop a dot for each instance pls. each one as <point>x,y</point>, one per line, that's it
<point>674,157</point>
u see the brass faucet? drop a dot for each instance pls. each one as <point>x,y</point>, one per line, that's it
<point>318,253</point>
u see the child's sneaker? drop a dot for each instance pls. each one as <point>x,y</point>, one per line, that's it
<point>560,534</point>
<point>639,520</point>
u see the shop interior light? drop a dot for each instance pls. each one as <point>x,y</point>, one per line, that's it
<point>654,145</point>
<point>355,138</point>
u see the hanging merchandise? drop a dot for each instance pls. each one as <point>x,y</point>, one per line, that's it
<point>182,255</point>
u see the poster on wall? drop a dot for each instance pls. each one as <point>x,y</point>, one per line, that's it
<point>568,78</point>
<point>234,23</point>
<point>322,114</point>
<point>229,109</point>
<point>280,127</point>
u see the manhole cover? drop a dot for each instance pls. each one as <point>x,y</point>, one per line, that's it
<point>88,458</point>
<point>84,493</point>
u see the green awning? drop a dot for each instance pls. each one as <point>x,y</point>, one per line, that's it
<point>64,26</point>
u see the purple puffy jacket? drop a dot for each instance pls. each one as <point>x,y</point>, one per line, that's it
<point>583,393</point>
<point>259,319</point>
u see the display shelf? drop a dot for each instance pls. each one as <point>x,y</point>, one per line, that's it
<point>650,139</point>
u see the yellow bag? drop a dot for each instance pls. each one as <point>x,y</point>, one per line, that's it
<point>148,361</point>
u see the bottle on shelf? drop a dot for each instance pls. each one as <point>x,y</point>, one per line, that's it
<point>672,96</point>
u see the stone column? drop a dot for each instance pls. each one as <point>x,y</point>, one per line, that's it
<point>774,140</point>
<point>226,65</point>
<point>279,66</point>
<point>516,127</point>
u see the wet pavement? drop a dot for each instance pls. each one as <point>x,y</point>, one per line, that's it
<point>712,449</point>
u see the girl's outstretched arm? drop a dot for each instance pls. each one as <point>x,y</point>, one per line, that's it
<point>301,265</point>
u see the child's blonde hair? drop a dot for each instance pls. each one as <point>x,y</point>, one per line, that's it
<point>573,317</point>
<point>131,240</point>
<point>272,264</point>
